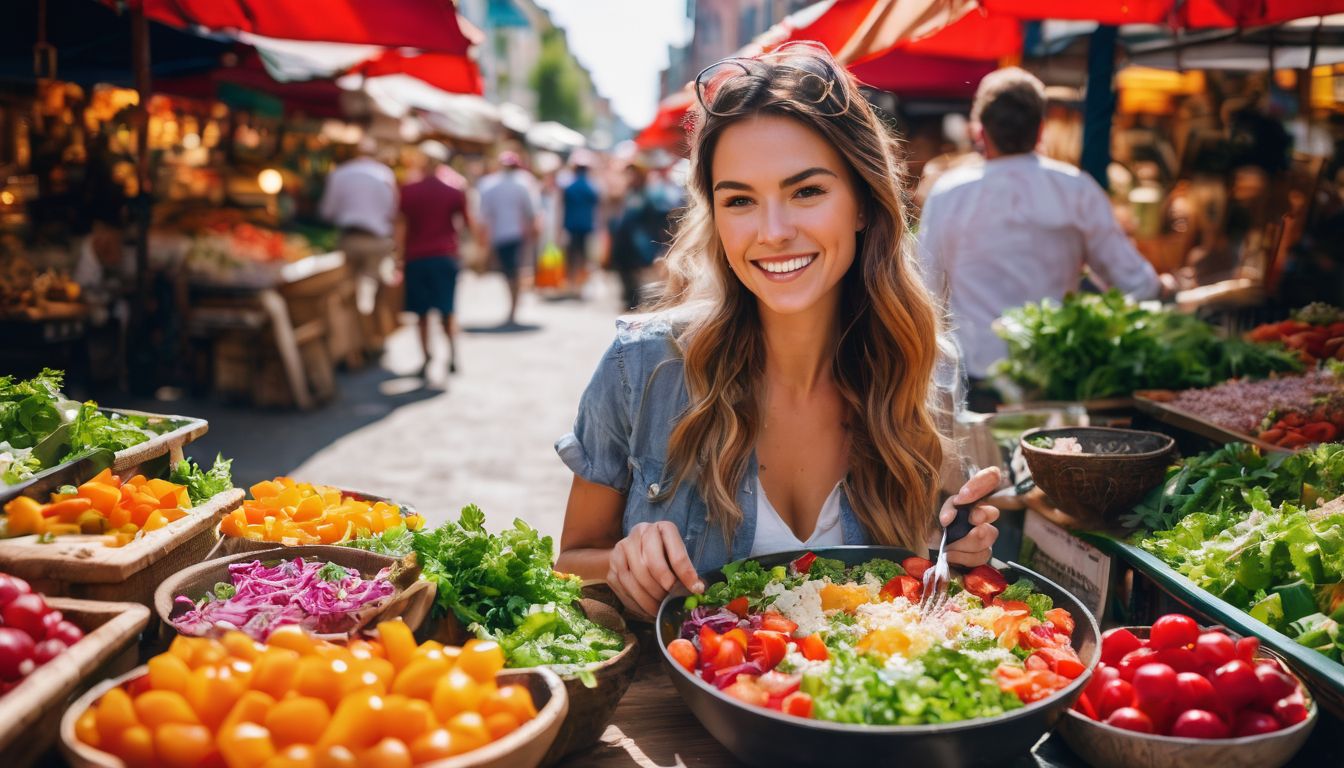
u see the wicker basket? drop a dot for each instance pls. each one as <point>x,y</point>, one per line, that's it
<point>1113,473</point>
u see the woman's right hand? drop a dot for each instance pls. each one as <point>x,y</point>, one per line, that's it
<point>647,564</point>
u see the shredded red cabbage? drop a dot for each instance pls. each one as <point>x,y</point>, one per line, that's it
<point>320,597</point>
<point>718,619</point>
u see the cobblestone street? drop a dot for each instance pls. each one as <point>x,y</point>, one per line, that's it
<point>485,439</point>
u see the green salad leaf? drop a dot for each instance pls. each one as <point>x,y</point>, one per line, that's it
<point>93,428</point>
<point>30,409</point>
<point>397,541</point>
<point>502,587</point>
<point>204,485</point>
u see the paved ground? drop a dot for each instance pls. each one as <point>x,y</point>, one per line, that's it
<point>487,438</point>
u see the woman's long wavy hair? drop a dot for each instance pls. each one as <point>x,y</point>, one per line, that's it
<point>887,346</point>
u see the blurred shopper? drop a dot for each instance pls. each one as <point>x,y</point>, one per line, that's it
<point>508,206</point>
<point>361,201</point>
<point>580,199</point>
<point>433,213</point>
<point>637,234</point>
<point>1019,228</point>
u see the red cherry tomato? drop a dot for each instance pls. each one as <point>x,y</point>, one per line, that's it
<point>1252,723</point>
<point>67,633</point>
<point>814,648</point>
<point>48,649</point>
<point>1179,659</point>
<point>16,653</point>
<point>1236,685</point>
<point>1116,694</point>
<point>1130,719</point>
<point>25,612</point>
<point>9,589</point>
<point>1173,631</point>
<point>767,648</point>
<point>1215,649</point>
<point>683,652</point>
<point>804,563</point>
<point>1274,684</point>
<point>730,654</point>
<point>1247,648</point>
<point>1103,674</point>
<point>777,622</point>
<point>1115,643</point>
<point>985,582</point>
<point>798,704</point>
<point>1133,660</point>
<point>1154,687</point>
<point>1290,710</point>
<point>709,644</point>
<point>1199,724</point>
<point>739,606</point>
<point>1194,691</point>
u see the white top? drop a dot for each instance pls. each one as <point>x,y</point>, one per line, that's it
<point>508,203</point>
<point>1019,229</point>
<point>774,535</point>
<point>361,194</point>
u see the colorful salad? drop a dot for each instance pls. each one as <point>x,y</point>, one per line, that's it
<point>323,598</point>
<point>820,640</point>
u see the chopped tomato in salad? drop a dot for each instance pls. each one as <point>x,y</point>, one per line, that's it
<point>821,640</point>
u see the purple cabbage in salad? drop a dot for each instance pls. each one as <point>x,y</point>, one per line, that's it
<point>322,598</point>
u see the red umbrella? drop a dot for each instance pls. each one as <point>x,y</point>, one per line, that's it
<point>429,25</point>
<point>445,71</point>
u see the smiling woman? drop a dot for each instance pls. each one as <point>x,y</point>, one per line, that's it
<point>781,395</point>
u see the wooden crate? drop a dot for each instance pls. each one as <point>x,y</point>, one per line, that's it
<point>30,715</point>
<point>85,567</point>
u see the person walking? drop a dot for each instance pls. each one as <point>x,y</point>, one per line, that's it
<point>580,199</point>
<point>361,201</point>
<point>433,213</point>
<point>637,235</point>
<point>1018,228</point>
<point>508,212</point>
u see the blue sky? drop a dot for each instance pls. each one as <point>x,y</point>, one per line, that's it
<point>623,43</point>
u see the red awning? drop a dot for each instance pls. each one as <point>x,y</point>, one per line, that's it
<point>667,131</point>
<point>1192,14</point>
<point>977,35</point>
<point>429,25</point>
<point>316,98</point>
<point>916,76</point>
<point>445,71</point>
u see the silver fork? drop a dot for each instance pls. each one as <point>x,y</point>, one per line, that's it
<point>936,578</point>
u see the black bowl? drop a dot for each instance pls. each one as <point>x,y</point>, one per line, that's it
<point>763,737</point>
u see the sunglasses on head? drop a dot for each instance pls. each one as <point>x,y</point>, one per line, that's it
<point>817,77</point>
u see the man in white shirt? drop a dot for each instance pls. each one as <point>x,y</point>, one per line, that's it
<point>1018,228</point>
<point>508,219</point>
<point>361,201</point>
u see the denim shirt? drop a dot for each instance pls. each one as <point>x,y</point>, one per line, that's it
<point>620,440</point>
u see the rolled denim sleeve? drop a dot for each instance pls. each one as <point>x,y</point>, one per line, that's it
<point>598,449</point>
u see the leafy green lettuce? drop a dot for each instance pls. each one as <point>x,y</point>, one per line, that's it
<point>30,409</point>
<point>502,587</point>
<point>202,485</point>
<point>93,428</point>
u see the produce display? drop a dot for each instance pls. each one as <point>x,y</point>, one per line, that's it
<point>1290,411</point>
<point>1191,683</point>
<point>298,701</point>
<point>106,505</point>
<point>1096,346</point>
<point>1256,531</point>
<point>502,588</point>
<point>34,409</point>
<point>322,598</point>
<point>31,632</point>
<point>289,512</point>
<point>819,640</point>
<point>1314,333</point>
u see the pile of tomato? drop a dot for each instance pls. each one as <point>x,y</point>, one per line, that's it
<point>1293,428</point>
<point>31,632</point>
<point>1312,341</point>
<point>1185,682</point>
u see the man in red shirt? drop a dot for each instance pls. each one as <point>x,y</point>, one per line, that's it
<point>433,211</point>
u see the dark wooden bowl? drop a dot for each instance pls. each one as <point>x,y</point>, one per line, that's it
<point>1109,747</point>
<point>1116,469</point>
<point>590,709</point>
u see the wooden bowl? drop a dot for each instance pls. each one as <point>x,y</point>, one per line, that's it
<point>524,748</point>
<point>411,601</point>
<point>1116,469</point>
<point>30,714</point>
<point>1105,746</point>
<point>590,709</point>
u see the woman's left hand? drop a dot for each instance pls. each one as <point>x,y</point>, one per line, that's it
<point>975,548</point>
